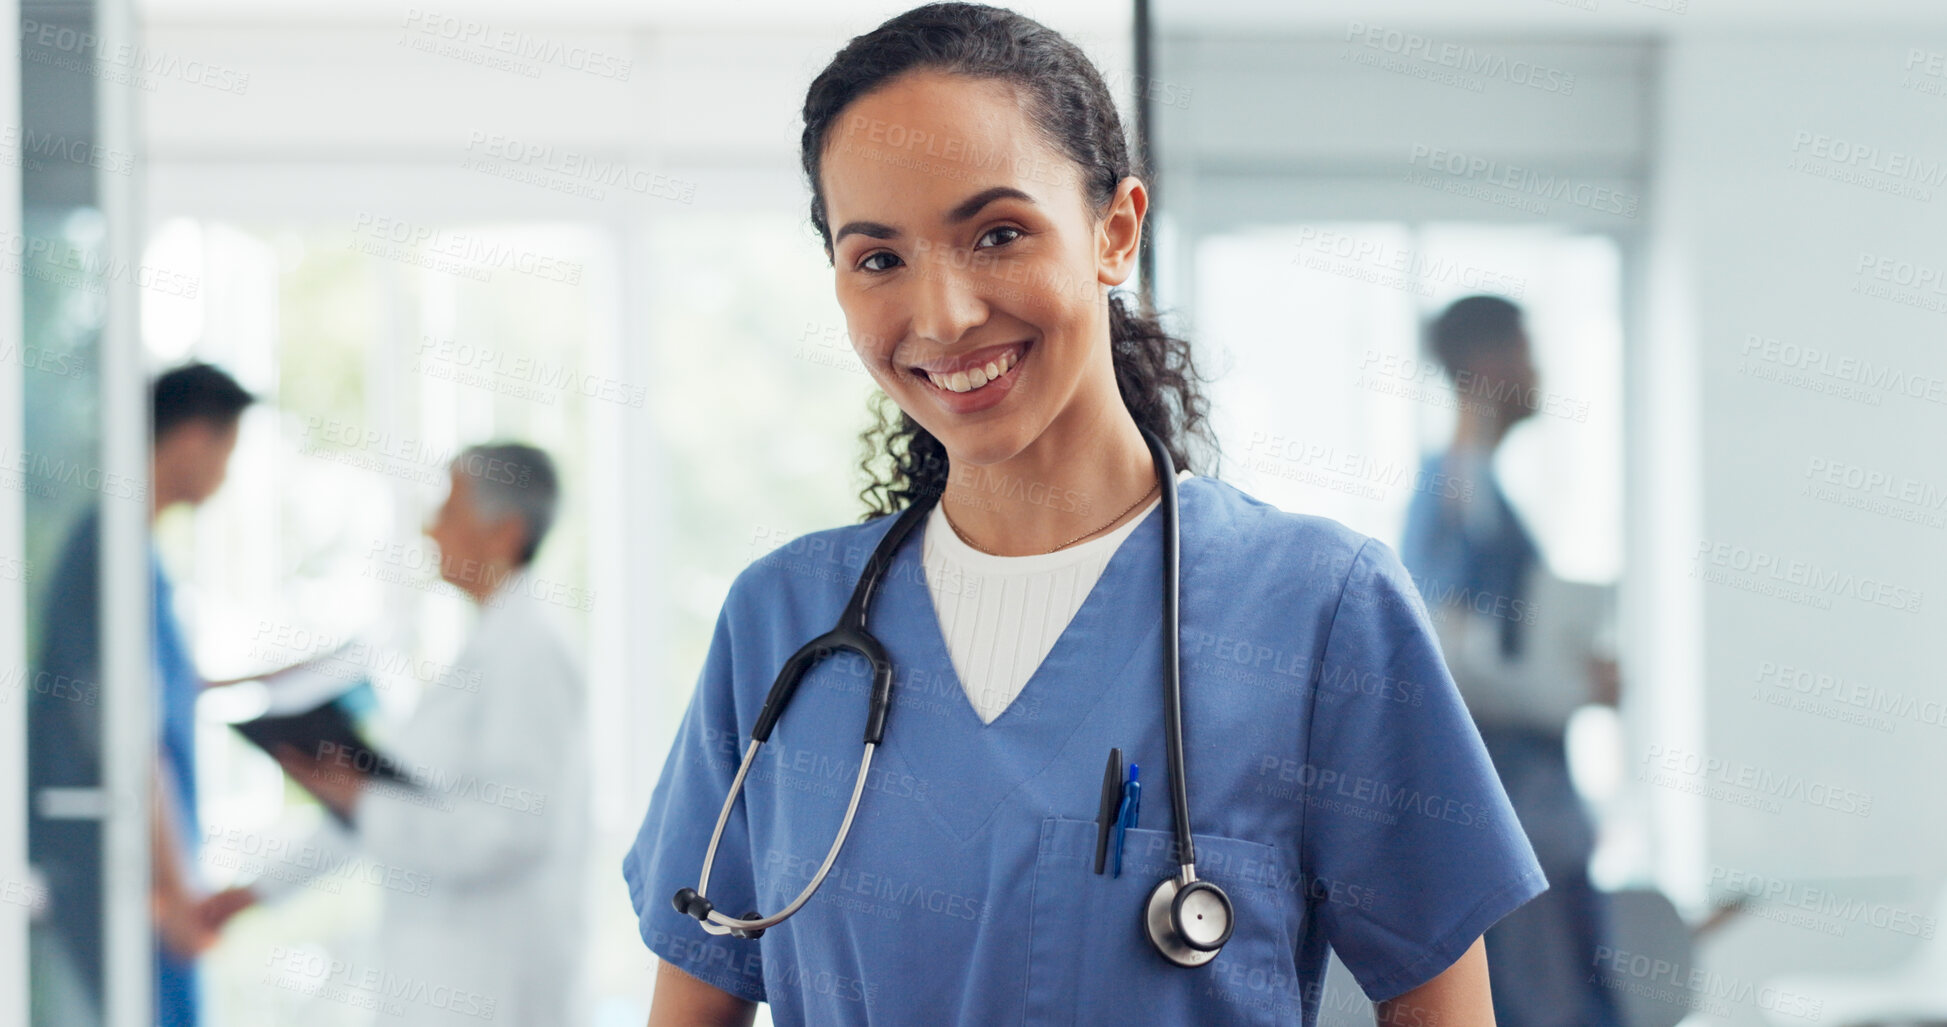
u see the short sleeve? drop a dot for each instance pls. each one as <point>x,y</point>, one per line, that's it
<point>668,851</point>
<point>1413,848</point>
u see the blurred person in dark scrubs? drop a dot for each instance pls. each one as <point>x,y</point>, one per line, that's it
<point>1480,570</point>
<point>195,410</point>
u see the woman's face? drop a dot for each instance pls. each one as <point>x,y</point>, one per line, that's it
<point>970,267</point>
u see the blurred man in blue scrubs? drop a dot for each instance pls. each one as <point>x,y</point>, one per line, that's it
<point>196,410</point>
<point>1478,568</point>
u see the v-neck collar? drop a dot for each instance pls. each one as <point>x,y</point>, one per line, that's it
<point>1118,622</point>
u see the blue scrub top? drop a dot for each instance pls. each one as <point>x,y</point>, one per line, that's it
<point>178,992</point>
<point>1338,792</point>
<point>1452,560</point>
<point>176,704</point>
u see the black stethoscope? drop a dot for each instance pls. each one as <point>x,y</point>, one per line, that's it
<point>1187,919</point>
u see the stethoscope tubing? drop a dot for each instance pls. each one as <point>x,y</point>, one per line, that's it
<point>851,633</point>
<point>1186,852</point>
<point>726,923</point>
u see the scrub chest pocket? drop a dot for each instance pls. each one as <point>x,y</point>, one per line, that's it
<point>1091,962</point>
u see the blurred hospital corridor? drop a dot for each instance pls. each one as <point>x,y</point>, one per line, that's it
<point>400,406</point>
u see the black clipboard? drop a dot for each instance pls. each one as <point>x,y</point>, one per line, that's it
<point>332,727</point>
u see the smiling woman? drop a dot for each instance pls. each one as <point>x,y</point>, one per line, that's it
<point>923,273</point>
<point>978,203</point>
<point>986,201</point>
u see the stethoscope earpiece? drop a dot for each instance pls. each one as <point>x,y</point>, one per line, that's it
<point>689,903</point>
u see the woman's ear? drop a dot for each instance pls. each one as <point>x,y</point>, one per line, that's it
<point>1119,235</point>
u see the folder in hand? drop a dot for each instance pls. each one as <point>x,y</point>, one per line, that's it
<point>318,715</point>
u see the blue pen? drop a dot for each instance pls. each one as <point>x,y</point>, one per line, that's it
<point>1132,801</point>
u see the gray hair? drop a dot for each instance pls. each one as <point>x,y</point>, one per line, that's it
<point>512,479</point>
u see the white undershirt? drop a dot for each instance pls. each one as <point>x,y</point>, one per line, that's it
<point>1000,615</point>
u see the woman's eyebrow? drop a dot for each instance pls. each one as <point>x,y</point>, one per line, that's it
<point>967,208</point>
<point>972,204</point>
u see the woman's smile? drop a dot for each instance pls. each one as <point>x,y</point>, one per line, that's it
<point>974,381</point>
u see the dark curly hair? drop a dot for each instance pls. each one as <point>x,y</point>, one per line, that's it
<point>1065,97</point>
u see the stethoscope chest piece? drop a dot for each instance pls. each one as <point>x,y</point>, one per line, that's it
<point>1188,923</point>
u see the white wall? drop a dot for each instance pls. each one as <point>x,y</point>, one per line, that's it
<point>1774,252</point>
<point>347,111</point>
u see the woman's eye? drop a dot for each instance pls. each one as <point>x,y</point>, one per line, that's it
<point>1013,234</point>
<point>867,265</point>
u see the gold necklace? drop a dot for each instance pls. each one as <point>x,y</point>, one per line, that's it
<point>1064,545</point>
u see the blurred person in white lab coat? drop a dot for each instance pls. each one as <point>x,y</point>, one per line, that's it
<point>480,860</point>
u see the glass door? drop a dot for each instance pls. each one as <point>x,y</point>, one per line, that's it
<point>82,488</point>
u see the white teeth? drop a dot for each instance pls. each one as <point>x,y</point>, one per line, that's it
<point>967,381</point>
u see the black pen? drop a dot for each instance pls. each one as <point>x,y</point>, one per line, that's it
<point>1105,816</point>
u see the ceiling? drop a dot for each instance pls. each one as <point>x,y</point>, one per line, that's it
<point>848,15</point>
<point>1550,17</point>
<point>1592,17</point>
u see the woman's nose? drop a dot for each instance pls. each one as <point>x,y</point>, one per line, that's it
<point>948,299</point>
